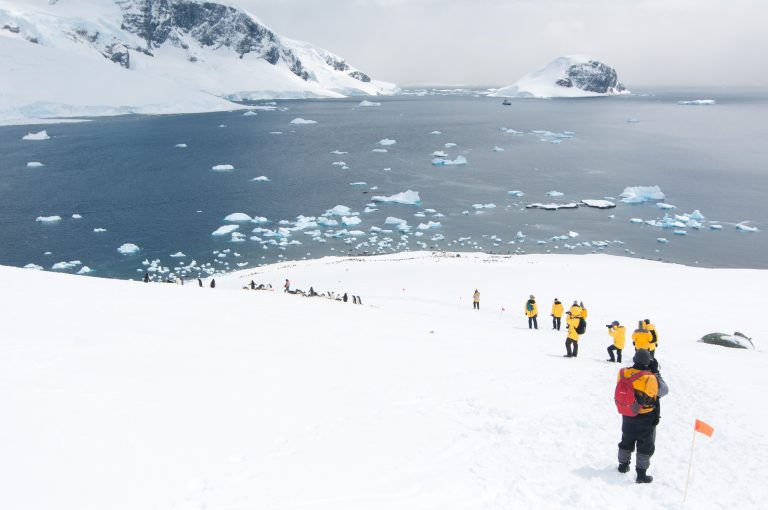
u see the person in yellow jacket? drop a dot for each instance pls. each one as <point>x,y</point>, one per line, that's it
<point>572,340</point>
<point>618,333</point>
<point>640,430</point>
<point>654,336</point>
<point>476,300</point>
<point>641,338</point>
<point>532,311</point>
<point>557,314</point>
<point>575,310</point>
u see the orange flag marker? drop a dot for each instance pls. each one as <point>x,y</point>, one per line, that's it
<point>704,428</point>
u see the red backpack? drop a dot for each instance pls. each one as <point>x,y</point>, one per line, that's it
<point>624,396</point>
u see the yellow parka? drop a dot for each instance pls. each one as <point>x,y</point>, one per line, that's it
<point>618,333</point>
<point>646,388</point>
<point>641,339</point>
<point>573,323</point>
<point>476,297</point>
<point>534,311</point>
<point>584,313</point>
<point>654,335</point>
<point>557,309</point>
<point>575,311</point>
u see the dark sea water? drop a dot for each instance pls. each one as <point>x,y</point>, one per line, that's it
<point>124,174</point>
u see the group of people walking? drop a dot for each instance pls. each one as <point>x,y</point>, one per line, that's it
<point>638,388</point>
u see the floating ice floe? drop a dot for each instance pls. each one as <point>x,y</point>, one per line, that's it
<point>367,104</point>
<point>510,131</point>
<point>177,255</point>
<point>34,267</point>
<point>381,151</point>
<point>85,270</point>
<point>48,219</point>
<point>636,220</point>
<point>436,133</point>
<point>555,193</point>
<point>369,209</point>
<point>460,160</point>
<point>515,193</point>
<point>40,135</point>
<point>359,183</point>
<point>746,228</point>
<point>496,148</point>
<point>663,205</point>
<point>716,226</point>
<point>261,178</point>
<point>449,145</point>
<point>250,113</point>
<point>225,230</point>
<point>181,145</point>
<point>34,164</point>
<point>99,230</point>
<point>408,197</point>
<point>680,232</point>
<point>633,120</point>
<point>63,266</point>
<point>340,210</point>
<point>222,168</point>
<point>696,215</point>
<point>275,132</point>
<point>484,206</point>
<point>77,217</point>
<point>351,220</point>
<point>598,204</point>
<point>697,102</point>
<point>662,240</point>
<point>326,222</point>
<point>237,237</point>
<point>428,225</point>
<point>299,120</point>
<point>128,249</point>
<point>338,152</point>
<point>440,154</point>
<point>640,194</point>
<point>386,141</point>
<point>238,216</point>
<point>552,207</point>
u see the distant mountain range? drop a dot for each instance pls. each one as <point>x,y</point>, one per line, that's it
<point>105,57</point>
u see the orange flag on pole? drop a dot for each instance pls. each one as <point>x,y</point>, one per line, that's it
<point>704,428</point>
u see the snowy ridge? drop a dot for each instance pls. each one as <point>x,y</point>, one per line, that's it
<point>227,398</point>
<point>568,76</point>
<point>111,57</point>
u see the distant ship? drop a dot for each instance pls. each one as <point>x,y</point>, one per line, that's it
<point>506,102</point>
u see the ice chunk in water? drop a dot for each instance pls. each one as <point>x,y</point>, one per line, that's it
<point>128,249</point>
<point>365,103</point>
<point>222,168</point>
<point>225,230</point>
<point>261,178</point>
<point>387,141</point>
<point>181,145</point>
<point>178,254</point>
<point>555,193</point>
<point>640,194</point>
<point>40,135</point>
<point>63,266</point>
<point>747,228</point>
<point>408,197</point>
<point>599,204</point>
<point>340,210</point>
<point>48,219</point>
<point>460,160</point>
<point>238,217</point>
<point>34,164</point>
<point>484,206</point>
<point>515,193</point>
<point>698,102</point>
<point>351,220</point>
<point>662,205</point>
<point>299,120</point>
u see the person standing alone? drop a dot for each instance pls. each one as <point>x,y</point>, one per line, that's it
<point>557,314</point>
<point>476,300</point>
<point>532,311</point>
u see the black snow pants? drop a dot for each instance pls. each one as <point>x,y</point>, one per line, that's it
<point>556,323</point>
<point>639,430</point>
<point>618,353</point>
<point>532,323</point>
<point>569,342</point>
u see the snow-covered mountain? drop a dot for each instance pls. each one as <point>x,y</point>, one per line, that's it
<point>105,57</point>
<point>569,76</point>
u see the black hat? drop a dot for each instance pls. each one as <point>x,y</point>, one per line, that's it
<point>642,358</point>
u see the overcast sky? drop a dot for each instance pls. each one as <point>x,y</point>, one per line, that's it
<point>494,42</point>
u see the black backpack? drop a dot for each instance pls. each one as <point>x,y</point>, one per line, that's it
<point>581,328</point>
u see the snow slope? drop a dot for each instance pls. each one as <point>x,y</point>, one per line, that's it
<point>89,58</point>
<point>568,76</point>
<point>125,395</point>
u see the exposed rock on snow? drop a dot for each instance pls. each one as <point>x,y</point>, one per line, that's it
<point>569,76</point>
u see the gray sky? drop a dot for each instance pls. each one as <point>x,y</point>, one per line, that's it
<point>487,42</point>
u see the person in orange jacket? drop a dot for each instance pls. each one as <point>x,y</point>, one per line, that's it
<point>654,336</point>
<point>532,311</point>
<point>557,314</point>
<point>642,338</point>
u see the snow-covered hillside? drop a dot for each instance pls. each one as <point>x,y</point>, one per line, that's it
<point>569,76</point>
<point>107,57</point>
<point>125,395</point>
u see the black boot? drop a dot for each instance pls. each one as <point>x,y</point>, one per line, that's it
<point>642,477</point>
<point>623,467</point>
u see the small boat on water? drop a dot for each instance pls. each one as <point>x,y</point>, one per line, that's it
<point>506,102</point>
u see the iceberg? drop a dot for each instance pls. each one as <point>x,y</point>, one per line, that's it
<point>640,194</point>
<point>696,215</point>
<point>47,219</point>
<point>449,145</point>
<point>224,230</point>
<point>746,228</point>
<point>34,267</point>
<point>299,120</point>
<point>381,151</point>
<point>662,240</point>
<point>340,210</point>
<point>408,197</point>
<point>598,204</point>
<point>238,216</point>
<point>460,160</point>
<point>181,145</point>
<point>428,225</point>
<point>351,220</point>
<point>440,154</point>
<point>34,164</point>
<point>84,270</point>
<point>436,133</point>
<point>496,148</point>
<point>261,178</point>
<point>662,205</point>
<point>40,135</point>
<point>484,206</point>
<point>222,168</point>
<point>367,104</point>
<point>338,152</point>
<point>515,193</point>
<point>99,229</point>
<point>552,206</point>
<point>77,217</point>
<point>250,113</point>
<point>387,141</point>
<point>555,193</point>
<point>177,255</point>
<point>698,102</point>
<point>128,249</point>
<point>63,266</point>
